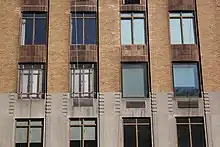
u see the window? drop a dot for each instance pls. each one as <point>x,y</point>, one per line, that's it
<point>132,28</point>
<point>131,1</point>
<point>84,28</point>
<point>186,79</point>
<point>29,133</point>
<point>83,80</point>
<point>31,81</point>
<point>190,132</point>
<point>137,132</point>
<point>34,28</point>
<point>83,133</point>
<point>134,80</point>
<point>182,28</point>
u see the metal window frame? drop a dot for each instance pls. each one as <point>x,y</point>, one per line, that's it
<point>132,18</point>
<point>189,124</point>
<point>181,18</point>
<point>82,125</point>
<point>40,81</point>
<point>33,18</point>
<point>136,124</point>
<point>196,75</point>
<point>91,75</point>
<point>83,23</point>
<point>146,78</point>
<point>29,128</point>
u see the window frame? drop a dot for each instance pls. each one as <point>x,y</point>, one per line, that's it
<point>134,122</point>
<point>92,75</point>
<point>41,81</point>
<point>83,17</point>
<point>29,126</point>
<point>146,78</point>
<point>181,17</point>
<point>132,18</point>
<point>33,17</point>
<point>190,124</point>
<point>82,126</point>
<point>198,74</point>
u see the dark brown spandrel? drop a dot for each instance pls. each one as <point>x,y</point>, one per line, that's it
<point>185,52</point>
<point>181,5</point>
<point>134,53</point>
<point>32,53</point>
<point>136,8</point>
<point>83,53</point>
<point>35,5</point>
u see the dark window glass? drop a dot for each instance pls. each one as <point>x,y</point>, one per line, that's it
<point>86,28</point>
<point>134,81</point>
<point>182,120</point>
<point>183,136</point>
<point>77,23</point>
<point>198,138</point>
<point>129,136</point>
<point>90,31</point>
<point>132,1</point>
<point>186,80</point>
<point>144,136</point>
<point>34,28</point>
<point>21,145</point>
<point>191,133</point>
<point>40,31</point>
<point>28,31</point>
<point>75,143</point>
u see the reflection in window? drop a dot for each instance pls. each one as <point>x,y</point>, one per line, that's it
<point>34,28</point>
<point>182,28</point>
<point>83,80</point>
<point>137,133</point>
<point>186,79</point>
<point>132,28</point>
<point>83,28</point>
<point>83,134</point>
<point>31,81</point>
<point>134,80</point>
<point>28,134</point>
<point>190,133</point>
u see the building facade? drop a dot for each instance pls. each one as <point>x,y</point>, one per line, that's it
<point>106,73</point>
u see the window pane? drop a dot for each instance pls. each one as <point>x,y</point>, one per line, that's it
<point>183,136</point>
<point>198,136</point>
<point>138,14</point>
<point>125,14</point>
<point>129,136</point>
<point>28,31</point>
<point>133,81</point>
<point>25,84</point>
<point>75,122</point>
<point>35,84</point>
<point>36,123</point>
<point>36,144</point>
<point>174,14</point>
<point>188,31</point>
<point>22,123</point>
<point>186,82</point>
<point>139,31</point>
<point>40,31</point>
<point>77,28</point>
<point>196,120</point>
<point>175,31</point>
<point>23,32</point>
<point>21,135</point>
<point>89,133</point>
<point>21,145</point>
<point>132,1</point>
<point>187,14</point>
<point>126,31</point>
<point>90,31</point>
<point>144,136</point>
<point>35,135</point>
<point>182,120</point>
<point>76,83</point>
<point>75,133</point>
<point>89,122</point>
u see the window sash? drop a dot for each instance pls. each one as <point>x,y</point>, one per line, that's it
<point>82,82</point>
<point>33,17</point>
<point>81,35</point>
<point>31,82</point>
<point>186,35</point>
